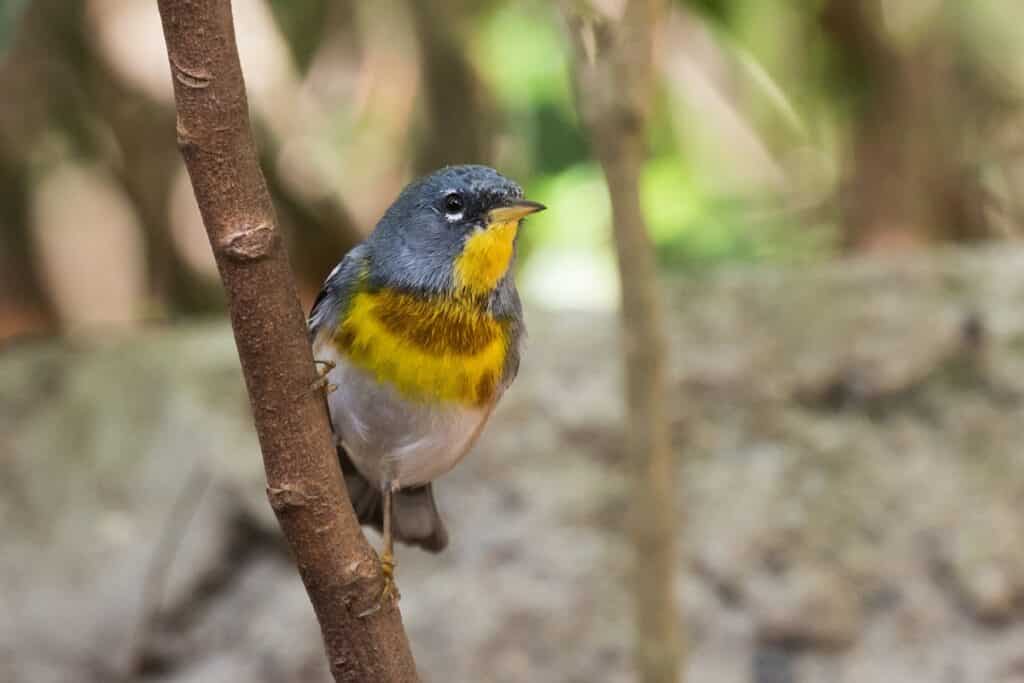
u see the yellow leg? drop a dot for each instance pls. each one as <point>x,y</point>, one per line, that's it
<point>387,558</point>
<point>389,592</point>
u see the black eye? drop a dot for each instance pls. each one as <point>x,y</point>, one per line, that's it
<point>453,204</point>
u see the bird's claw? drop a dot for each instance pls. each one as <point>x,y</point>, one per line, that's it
<point>389,592</point>
<point>321,383</point>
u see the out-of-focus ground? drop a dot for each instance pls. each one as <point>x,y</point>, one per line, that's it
<point>849,450</point>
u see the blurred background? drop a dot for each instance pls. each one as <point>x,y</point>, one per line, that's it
<point>835,190</point>
<point>784,133</point>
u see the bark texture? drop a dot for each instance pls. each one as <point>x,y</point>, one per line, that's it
<point>337,564</point>
<point>613,73</point>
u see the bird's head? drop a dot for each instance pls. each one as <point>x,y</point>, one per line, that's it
<point>451,231</point>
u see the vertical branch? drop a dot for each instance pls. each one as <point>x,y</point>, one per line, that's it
<point>338,566</point>
<point>613,78</point>
<point>909,181</point>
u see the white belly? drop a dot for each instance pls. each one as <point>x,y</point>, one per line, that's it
<point>391,439</point>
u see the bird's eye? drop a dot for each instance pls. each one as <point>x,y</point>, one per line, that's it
<point>453,204</point>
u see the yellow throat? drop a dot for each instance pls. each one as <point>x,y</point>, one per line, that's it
<point>485,257</point>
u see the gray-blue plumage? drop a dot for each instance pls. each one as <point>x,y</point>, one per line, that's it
<point>388,441</point>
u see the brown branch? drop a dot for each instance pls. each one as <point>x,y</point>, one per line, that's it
<point>338,567</point>
<point>613,79</point>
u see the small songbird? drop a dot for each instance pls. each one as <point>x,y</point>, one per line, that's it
<point>421,328</point>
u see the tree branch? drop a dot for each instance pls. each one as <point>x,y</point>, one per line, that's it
<point>339,568</point>
<point>613,78</point>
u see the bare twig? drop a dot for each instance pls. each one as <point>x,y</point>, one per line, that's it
<point>339,568</point>
<point>613,73</point>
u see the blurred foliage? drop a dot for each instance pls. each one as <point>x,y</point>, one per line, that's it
<point>717,10</point>
<point>10,13</point>
<point>783,131</point>
<point>303,23</point>
<point>693,225</point>
<point>526,63</point>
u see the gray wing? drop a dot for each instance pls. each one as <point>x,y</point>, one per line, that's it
<point>337,290</point>
<point>506,306</point>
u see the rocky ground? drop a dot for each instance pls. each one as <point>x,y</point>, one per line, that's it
<point>850,466</point>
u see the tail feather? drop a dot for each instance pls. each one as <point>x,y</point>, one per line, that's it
<point>416,520</point>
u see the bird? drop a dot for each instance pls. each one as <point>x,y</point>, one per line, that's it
<point>419,330</point>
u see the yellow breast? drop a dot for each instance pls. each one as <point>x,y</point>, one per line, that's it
<point>445,350</point>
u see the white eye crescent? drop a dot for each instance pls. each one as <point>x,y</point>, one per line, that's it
<point>454,206</point>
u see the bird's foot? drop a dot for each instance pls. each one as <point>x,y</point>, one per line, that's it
<point>389,592</point>
<point>387,569</point>
<point>321,383</point>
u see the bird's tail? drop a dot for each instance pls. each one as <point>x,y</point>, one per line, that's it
<point>416,520</point>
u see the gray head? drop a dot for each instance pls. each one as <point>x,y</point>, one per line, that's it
<point>430,227</point>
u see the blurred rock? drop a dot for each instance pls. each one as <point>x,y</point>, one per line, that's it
<point>807,608</point>
<point>849,440</point>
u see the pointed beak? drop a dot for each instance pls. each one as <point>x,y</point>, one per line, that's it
<point>513,210</point>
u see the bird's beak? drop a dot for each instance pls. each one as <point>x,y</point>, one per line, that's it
<point>513,210</point>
